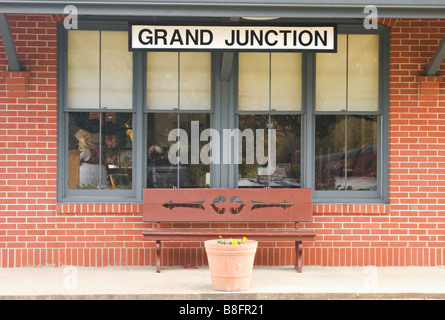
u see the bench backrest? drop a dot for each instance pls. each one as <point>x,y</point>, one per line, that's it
<point>229,205</point>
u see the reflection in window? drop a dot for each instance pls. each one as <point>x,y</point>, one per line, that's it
<point>100,150</point>
<point>346,161</point>
<point>161,171</point>
<point>287,157</point>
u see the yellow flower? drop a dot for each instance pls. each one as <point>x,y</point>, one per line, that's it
<point>244,239</point>
<point>235,242</point>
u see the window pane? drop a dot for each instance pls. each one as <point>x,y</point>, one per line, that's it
<point>85,167</point>
<point>161,173</point>
<point>186,172</point>
<point>100,150</point>
<point>195,81</point>
<point>331,78</point>
<point>192,83</point>
<point>349,79</point>
<point>83,69</point>
<point>116,71</point>
<point>100,70</point>
<point>249,170</point>
<point>195,174</point>
<point>363,70</point>
<point>329,152</point>
<point>288,147</point>
<point>253,169</point>
<point>362,153</point>
<point>253,86</point>
<point>117,146</point>
<point>346,166</point>
<point>162,80</point>
<point>286,81</point>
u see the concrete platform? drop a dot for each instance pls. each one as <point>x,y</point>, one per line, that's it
<point>268,283</point>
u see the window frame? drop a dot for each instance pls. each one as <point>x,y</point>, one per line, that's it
<point>223,114</point>
<point>177,111</point>
<point>308,113</point>
<point>64,194</point>
<point>353,196</point>
<point>273,112</point>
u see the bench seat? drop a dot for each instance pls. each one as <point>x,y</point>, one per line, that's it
<point>207,234</point>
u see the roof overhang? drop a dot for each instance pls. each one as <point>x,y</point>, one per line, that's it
<point>233,8</point>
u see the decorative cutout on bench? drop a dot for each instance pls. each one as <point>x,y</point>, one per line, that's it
<point>215,202</point>
<point>198,205</point>
<point>222,210</point>
<point>238,200</point>
<point>258,205</point>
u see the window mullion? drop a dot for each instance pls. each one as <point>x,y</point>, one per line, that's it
<point>178,166</point>
<point>308,127</point>
<point>346,115</point>
<point>100,108</point>
<point>139,122</point>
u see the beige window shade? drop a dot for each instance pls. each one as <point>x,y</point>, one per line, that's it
<point>331,78</point>
<point>178,81</point>
<point>269,81</point>
<point>363,69</point>
<point>195,81</point>
<point>162,80</point>
<point>348,80</point>
<point>286,81</point>
<point>253,83</point>
<point>100,70</point>
<point>83,69</point>
<point>116,71</point>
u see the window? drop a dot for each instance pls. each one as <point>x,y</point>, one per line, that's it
<point>269,97</point>
<point>100,70</point>
<point>330,115</point>
<point>100,150</point>
<point>97,115</point>
<point>348,119</point>
<point>178,110</point>
<point>346,152</point>
<point>132,120</point>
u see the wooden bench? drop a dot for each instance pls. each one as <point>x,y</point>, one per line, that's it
<point>228,205</point>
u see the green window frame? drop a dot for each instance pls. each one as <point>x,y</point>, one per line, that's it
<point>379,114</point>
<point>224,114</point>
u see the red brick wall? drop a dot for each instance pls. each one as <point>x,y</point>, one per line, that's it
<point>36,231</point>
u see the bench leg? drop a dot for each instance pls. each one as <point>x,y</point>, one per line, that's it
<point>299,256</point>
<point>158,256</point>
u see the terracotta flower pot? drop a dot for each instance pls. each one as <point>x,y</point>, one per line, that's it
<point>231,265</point>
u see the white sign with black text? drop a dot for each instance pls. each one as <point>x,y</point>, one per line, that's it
<point>233,38</point>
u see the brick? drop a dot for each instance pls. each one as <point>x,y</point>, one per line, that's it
<point>98,235</point>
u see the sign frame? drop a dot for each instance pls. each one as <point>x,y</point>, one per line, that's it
<point>286,33</point>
